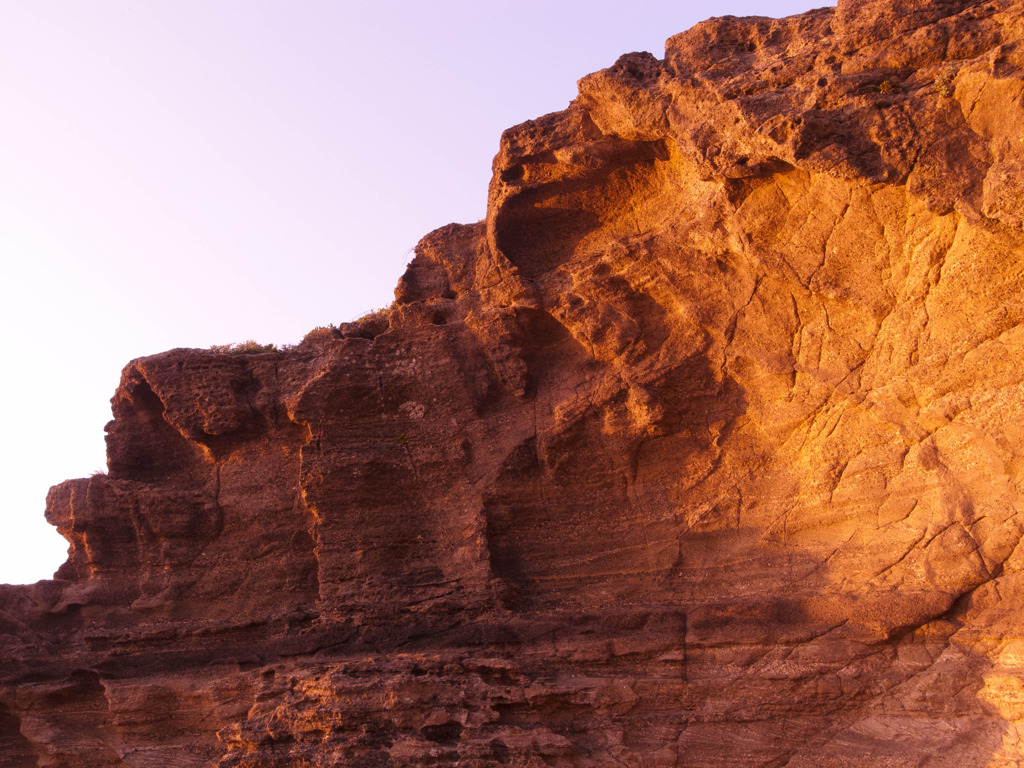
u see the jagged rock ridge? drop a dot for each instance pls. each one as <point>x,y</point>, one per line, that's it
<point>704,449</point>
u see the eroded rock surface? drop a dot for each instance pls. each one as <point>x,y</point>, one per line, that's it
<point>704,449</point>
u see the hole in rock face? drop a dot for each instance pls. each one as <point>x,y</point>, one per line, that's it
<point>540,236</point>
<point>500,751</point>
<point>515,173</point>
<point>140,443</point>
<point>445,733</point>
<point>541,228</point>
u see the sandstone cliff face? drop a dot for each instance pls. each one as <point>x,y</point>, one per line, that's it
<point>704,449</point>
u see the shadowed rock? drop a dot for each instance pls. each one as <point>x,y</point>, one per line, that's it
<point>704,449</point>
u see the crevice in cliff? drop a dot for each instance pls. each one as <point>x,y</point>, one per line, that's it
<point>313,518</point>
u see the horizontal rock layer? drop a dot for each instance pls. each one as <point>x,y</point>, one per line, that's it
<point>704,449</point>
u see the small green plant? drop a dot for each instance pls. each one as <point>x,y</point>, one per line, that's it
<point>321,332</point>
<point>945,82</point>
<point>380,312</point>
<point>249,347</point>
<point>887,87</point>
<point>403,439</point>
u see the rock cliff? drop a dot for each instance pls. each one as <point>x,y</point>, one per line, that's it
<point>704,449</point>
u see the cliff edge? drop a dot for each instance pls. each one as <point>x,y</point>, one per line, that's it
<point>705,448</point>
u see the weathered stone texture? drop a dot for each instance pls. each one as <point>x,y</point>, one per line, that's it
<point>704,449</point>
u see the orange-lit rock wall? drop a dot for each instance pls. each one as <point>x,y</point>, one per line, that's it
<point>704,449</point>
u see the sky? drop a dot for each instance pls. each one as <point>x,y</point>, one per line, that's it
<point>185,173</point>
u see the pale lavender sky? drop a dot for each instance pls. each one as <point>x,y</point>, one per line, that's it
<point>182,173</point>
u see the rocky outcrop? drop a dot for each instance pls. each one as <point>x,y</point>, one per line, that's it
<point>704,449</point>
